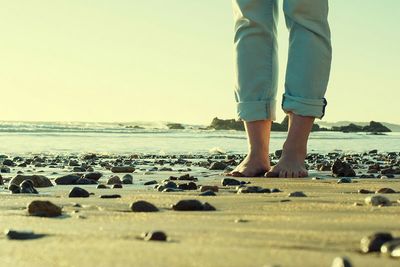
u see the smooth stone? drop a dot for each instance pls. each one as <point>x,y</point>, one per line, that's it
<point>127,179</point>
<point>43,209</point>
<point>150,182</point>
<point>102,186</point>
<point>110,196</point>
<point>342,169</point>
<point>187,177</point>
<point>344,180</point>
<point>122,169</point>
<point>154,236</point>
<point>78,192</point>
<point>385,191</point>
<point>86,181</point>
<point>38,180</point>
<point>93,175</point>
<point>78,169</point>
<point>143,206</point>
<point>116,186</point>
<point>207,193</point>
<point>192,205</point>
<point>365,191</point>
<point>230,182</point>
<point>205,188</point>
<point>27,187</point>
<point>396,252</point>
<point>341,262</point>
<point>252,190</point>
<point>275,190</point>
<point>389,246</point>
<point>21,235</point>
<point>188,186</point>
<point>169,184</point>
<point>15,189</point>
<point>378,200</point>
<point>218,165</point>
<point>373,243</point>
<point>1,180</point>
<point>297,194</point>
<point>114,180</point>
<point>67,179</point>
<point>167,190</point>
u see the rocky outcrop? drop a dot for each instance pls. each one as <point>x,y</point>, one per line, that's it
<point>375,127</point>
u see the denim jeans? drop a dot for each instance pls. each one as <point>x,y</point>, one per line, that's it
<point>256,59</point>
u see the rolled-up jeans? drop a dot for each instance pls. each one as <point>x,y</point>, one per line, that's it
<point>256,59</point>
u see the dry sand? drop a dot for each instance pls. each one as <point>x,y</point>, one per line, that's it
<point>308,231</point>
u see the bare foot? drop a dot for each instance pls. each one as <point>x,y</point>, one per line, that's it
<point>290,165</point>
<point>251,166</point>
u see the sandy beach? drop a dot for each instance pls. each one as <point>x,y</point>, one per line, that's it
<point>262,229</point>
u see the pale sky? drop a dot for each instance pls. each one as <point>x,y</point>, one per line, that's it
<point>172,60</point>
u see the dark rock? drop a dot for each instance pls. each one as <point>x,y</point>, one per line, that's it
<point>43,209</point>
<point>167,190</point>
<point>232,124</point>
<point>186,177</point>
<point>127,179</point>
<point>213,188</point>
<point>27,187</point>
<point>341,262</point>
<point>78,192</point>
<point>385,191</point>
<point>143,206</point>
<point>388,171</point>
<point>15,189</point>
<point>192,205</point>
<point>154,236</point>
<point>344,180</point>
<point>342,169</point>
<point>207,193</point>
<point>67,179</point>
<point>102,186</point>
<point>8,162</point>
<point>378,200</point>
<point>373,243</point>
<point>150,182</point>
<point>78,169</point>
<point>5,169</point>
<point>85,181</point>
<point>365,191</point>
<point>169,184</point>
<point>218,165</point>
<point>114,180</point>
<point>110,196</point>
<point>188,186</point>
<point>93,175</point>
<point>175,126</point>
<point>38,180</point>
<point>122,169</point>
<point>275,190</point>
<point>21,235</point>
<point>230,182</point>
<point>116,186</point>
<point>252,190</point>
<point>297,194</point>
<point>278,153</point>
<point>1,180</point>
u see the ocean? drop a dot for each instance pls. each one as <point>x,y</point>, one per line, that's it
<point>155,138</point>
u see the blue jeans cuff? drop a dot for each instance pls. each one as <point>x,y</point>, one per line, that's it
<point>304,106</point>
<point>256,110</point>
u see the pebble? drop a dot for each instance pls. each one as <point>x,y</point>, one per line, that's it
<point>127,179</point>
<point>21,235</point>
<point>385,191</point>
<point>27,187</point>
<point>205,188</point>
<point>365,191</point>
<point>78,192</point>
<point>342,169</point>
<point>154,236</point>
<point>150,182</point>
<point>15,189</point>
<point>116,186</point>
<point>1,180</point>
<point>388,247</point>
<point>275,190</point>
<point>188,186</point>
<point>93,175</point>
<point>86,181</point>
<point>344,180</point>
<point>102,186</point>
<point>252,190</point>
<point>110,196</point>
<point>192,205</point>
<point>230,182</point>
<point>297,194</point>
<point>143,206</point>
<point>114,180</point>
<point>167,190</point>
<point>377,200</point>
<point>122,169</point>
<point>43,209</point>
<point>396,252</point>
<point>341,262</point>
<point>67,179</point>
<point>218,165</point>
<point>373,243</point>
<point>207,193</point>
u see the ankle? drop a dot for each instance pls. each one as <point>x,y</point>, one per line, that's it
<point>294,150</point>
